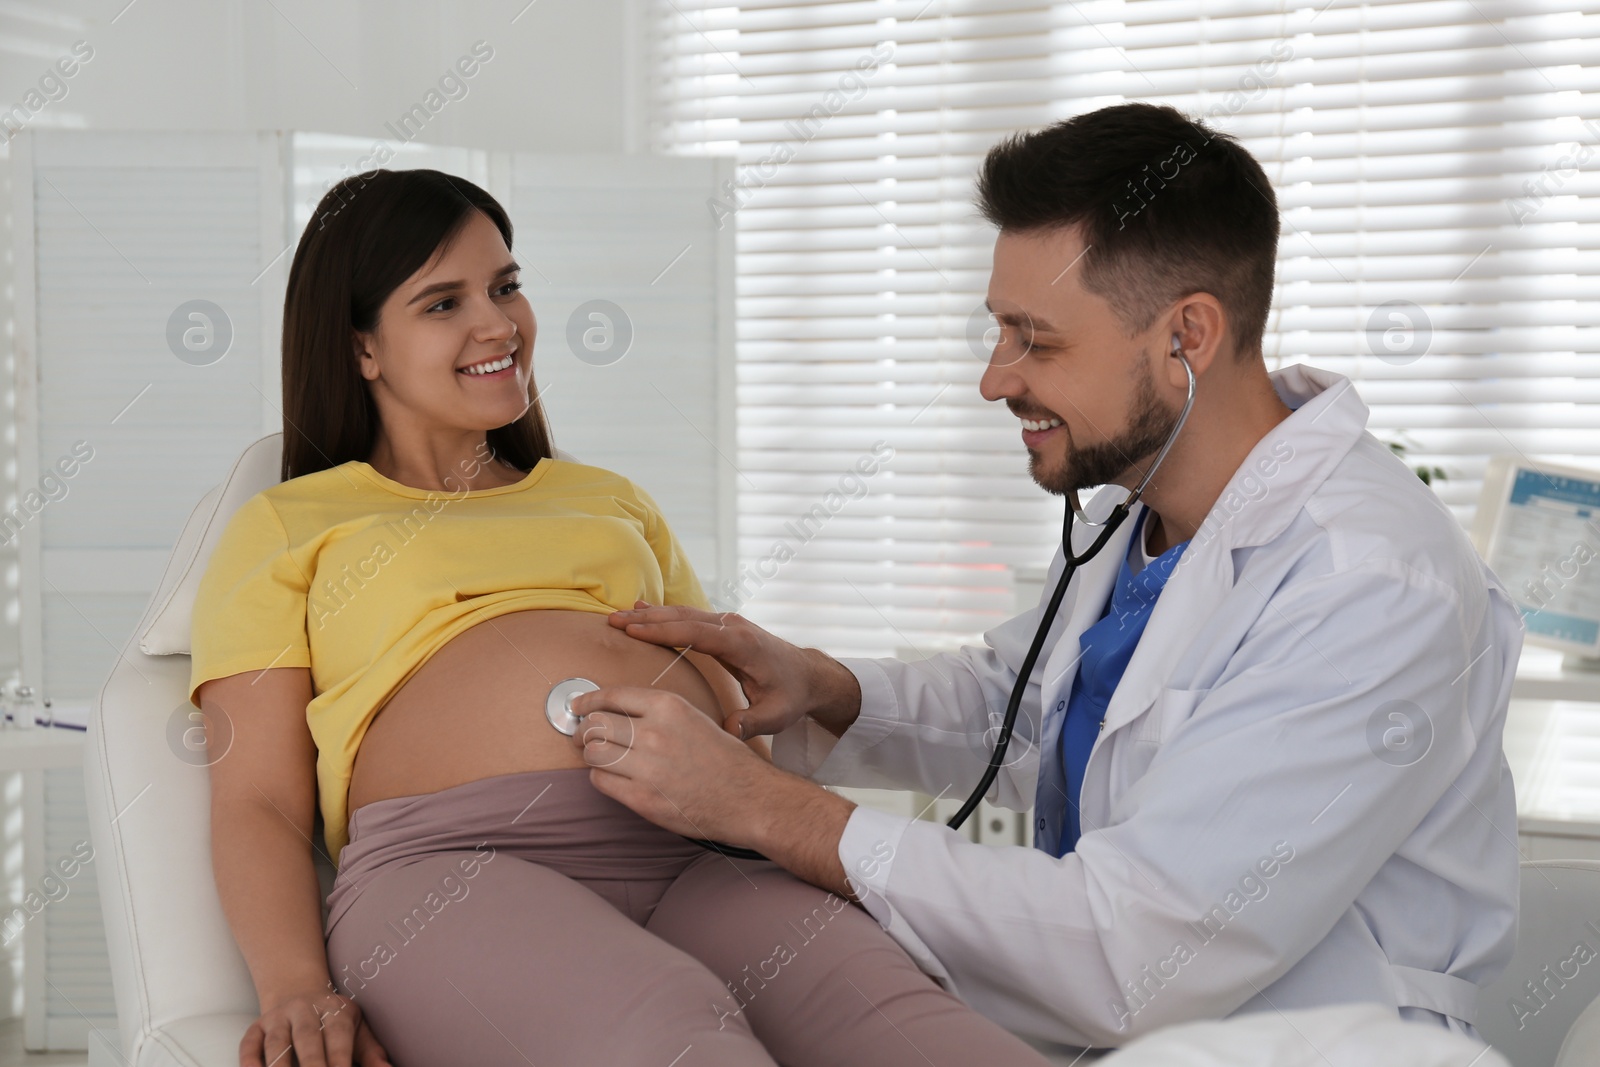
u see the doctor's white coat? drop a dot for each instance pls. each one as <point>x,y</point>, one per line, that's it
<point>1298,797</point>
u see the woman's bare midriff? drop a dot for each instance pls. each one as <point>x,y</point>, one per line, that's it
<point>476,708</point>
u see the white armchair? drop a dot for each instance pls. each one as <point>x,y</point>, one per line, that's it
<point>183,992</point>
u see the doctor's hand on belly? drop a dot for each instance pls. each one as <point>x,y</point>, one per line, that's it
<point>782,682</point>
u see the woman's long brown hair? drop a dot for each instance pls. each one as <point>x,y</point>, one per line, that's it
<point>369,234</point>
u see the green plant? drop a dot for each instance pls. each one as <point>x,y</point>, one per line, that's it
<point>1427,473</point>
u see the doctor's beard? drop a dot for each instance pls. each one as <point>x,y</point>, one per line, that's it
<point>1101,463</point>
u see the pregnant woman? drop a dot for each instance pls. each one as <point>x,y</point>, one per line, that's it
<point>373,641</point>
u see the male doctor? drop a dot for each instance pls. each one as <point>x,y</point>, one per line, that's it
<point>1263,740</point>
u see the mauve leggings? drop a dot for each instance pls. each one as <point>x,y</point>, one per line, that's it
<point>530,919</point>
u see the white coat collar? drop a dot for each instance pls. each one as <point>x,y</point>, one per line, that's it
<point>1328,418</point>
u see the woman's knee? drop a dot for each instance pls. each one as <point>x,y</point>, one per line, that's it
<point>750,921</point>
<point>818,978</point>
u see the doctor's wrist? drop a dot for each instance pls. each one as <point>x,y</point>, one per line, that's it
<point>799,828</point>
<point>836,693</point>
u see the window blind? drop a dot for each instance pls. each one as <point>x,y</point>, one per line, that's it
<point>1436,165</point>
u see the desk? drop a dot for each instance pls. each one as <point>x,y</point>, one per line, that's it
<point>1540,676</point>
<point>40,748</point>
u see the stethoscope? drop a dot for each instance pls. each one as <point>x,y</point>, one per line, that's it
<point>558,705</point>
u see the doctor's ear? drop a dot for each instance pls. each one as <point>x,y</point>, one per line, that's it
<point>1194,328</point>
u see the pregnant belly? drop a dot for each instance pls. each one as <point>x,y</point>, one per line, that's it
<point>476,708</point>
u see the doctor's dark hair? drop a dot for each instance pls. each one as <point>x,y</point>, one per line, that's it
<point>370,233</point>
<point>1167,207</point>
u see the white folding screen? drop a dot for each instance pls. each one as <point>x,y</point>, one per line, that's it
<point>127,234</point>
<point>120,428</point>
<point>1436,162</point>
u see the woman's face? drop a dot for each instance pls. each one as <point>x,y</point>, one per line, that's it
<point>463,309</point>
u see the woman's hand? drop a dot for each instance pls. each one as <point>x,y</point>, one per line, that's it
<point>324,1028</point>
<point>782,682</point>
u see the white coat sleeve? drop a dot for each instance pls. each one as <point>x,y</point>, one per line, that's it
<point>930,725</point>
<point>1270,801</point>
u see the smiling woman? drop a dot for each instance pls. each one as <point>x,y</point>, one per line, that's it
<point>471,570</point>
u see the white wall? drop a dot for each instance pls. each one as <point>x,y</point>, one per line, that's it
<point>557,80</point>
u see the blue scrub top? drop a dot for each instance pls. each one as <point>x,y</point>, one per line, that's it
<point>1107,646</point>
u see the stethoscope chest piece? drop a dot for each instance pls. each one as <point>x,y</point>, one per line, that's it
<point>558,705</point>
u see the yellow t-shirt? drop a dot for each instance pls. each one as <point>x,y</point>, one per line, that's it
<point>362,579</point>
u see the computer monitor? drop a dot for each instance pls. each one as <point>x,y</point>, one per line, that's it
<point>1538,528</point>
